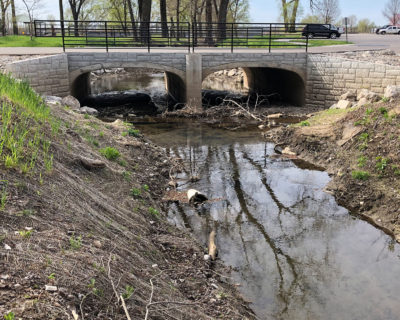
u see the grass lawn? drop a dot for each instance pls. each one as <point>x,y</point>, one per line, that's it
<point>25,41</point>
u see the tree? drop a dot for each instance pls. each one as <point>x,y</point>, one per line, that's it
<point>144,16</point>
<point>31,6</point>
<point>4,4</point>
<point>163,16</point>
<point>76,7</point>
<point>289,10</point>
<point>352,22</point>
<point>392,11</point>
<point>311,19</point>
<point>14,18</point>
<point>328,9</point>
<point>222,15</point>
<point>365,25</point>
<point>238,11</point>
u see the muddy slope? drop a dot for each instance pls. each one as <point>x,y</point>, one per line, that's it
<point>361,150</point>
<point>77,241</point>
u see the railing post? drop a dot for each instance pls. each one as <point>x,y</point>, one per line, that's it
<point>63,34</point>
<point>270,37</point>
<point>105,28</point>
<point>306,38</point>
<point>148,36</point>
<point>190,38</point>
<point>232,38</point>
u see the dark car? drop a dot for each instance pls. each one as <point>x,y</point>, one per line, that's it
<point>321,30</point>
<point>384,27</point>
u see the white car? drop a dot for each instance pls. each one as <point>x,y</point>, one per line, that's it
<point>390,30</point>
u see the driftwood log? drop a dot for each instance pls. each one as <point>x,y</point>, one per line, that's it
<point>91,164</point>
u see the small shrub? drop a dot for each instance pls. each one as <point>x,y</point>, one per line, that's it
<point>381,164</point>
<point>304,124</point>
<point>75,243</point>
<point>128,292</point>
<point>360,175</point>
<point>86,116</point>
<point>154,212</point>
<point>361,161</point>
<point>134,132</point>
<point>9,316</point>
<point>383,110</point>
<point>110,153</point>
<point>3,194</point>
<point>136,192</point>
<point>369,111</point>
<point>396,170</point>
<point>127,175</point>
<point>52,276</point>
<point>145,187</point>
<point>385,99</point>
<point>364,136</point>
<point>25,233</point>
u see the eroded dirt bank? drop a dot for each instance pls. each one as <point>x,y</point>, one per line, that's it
<point>360,148</point>
<point>84,232</point>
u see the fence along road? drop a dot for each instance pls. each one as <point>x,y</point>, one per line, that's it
<point>150,35</point>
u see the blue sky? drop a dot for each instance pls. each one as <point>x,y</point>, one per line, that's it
<point>268,10</point>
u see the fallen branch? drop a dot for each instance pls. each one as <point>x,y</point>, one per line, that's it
<point>124,307</point>
<point>212,248</point>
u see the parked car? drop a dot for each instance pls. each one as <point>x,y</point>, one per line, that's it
<point>321,30</point>
<point>390,30</point>
<point>384,27</point>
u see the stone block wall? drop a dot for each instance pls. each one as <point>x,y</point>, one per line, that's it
<point>328,77</point>
<point>47,75</point>
<point>82,60</point>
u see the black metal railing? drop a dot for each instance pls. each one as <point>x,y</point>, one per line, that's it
<point>114,34</point>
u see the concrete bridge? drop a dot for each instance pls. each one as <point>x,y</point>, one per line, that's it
<point>301,79</point>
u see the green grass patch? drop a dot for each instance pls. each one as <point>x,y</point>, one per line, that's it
<point>110,153</point>
<point>25,120</point>
<point>25,41</point>
<point>360,175</point>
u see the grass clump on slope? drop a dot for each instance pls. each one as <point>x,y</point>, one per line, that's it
<point>25,125</point>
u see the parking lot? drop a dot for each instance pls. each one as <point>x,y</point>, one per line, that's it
<point>364,41</point>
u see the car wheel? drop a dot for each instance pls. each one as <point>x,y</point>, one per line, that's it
<point>310,35</point>
<point>333,36</point>
<point>383,32</point>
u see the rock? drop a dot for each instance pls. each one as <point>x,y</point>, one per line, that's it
<point>261,127</point>
<point>71,102</point>
<point>392,92</point>
<point>7,247</point>
<point>288,152</point>
<point>196,197</point>
<point>395,111</point>
<point>369,95</point>
<point>87,110</point>
<point>154,265</point>
<point>207,257</point>
<point>274,116</point>
<point>97,244</point>
<point>232,73</point>
<point>50,288</point>
<point>349,95</point>
<point>362,102</point>
<point>334,106</point>
<point>388,52</point>
<point>52,100</point>
<point>344,104</point>
<point>90,164</point>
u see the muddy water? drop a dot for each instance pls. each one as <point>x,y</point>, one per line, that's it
<point>294,253</point>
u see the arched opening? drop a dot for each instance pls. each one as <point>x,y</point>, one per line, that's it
<point>260,85</point>
<point>130,90</point>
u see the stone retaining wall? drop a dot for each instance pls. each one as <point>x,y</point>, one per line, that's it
<point>47,75</point>
<point>328,77</point>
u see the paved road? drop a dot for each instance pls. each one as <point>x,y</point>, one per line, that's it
<point>360,42</point>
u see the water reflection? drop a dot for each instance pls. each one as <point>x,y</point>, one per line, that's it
<point>149,82</point>
<point>295,252</point>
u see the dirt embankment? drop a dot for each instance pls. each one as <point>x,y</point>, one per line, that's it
<point>360,148</point>
<point>84,235</point>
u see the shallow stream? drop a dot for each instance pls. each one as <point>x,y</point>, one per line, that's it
<point>294,253</point>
